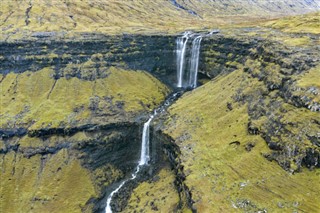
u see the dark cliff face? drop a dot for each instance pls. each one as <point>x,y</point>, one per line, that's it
<point>154,54</point>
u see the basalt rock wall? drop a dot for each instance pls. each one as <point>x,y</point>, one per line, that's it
<point>150,53</point>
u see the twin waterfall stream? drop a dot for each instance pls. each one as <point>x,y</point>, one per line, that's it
<point>186,78</point>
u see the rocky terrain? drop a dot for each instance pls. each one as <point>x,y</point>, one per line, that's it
<point>79,78</point>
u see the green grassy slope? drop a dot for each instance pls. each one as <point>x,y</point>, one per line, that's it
<point>36,100</point>
<point>21,18</point>
<point>309,23</point>
<point>225,166</point>
<point>39,184</point>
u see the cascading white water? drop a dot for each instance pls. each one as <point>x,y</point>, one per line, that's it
<point>108,207</point>
<point>144,159</point>
<point>181,52</point>
<point>133,176</point>
<point>182,45</point>
<point>194,62</point>
<point>145,146</point>
<point>145,151</point>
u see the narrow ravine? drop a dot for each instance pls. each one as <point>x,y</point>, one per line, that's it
<point>145,146</point>
<point>186,78</point>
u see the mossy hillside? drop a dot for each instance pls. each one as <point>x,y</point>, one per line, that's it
<point>22,19</point>
<point>310,78</point>
<point>309,83</point>
<point>55,183</point>
<point>158,194</point>
<point>36,100</point>
<point>308,23</point>
<point>102,157</point>
<point>287,115</point>
<point>285,53</point>
<point>282,112</point>
<point>90,16</point>
<point>225,166</point>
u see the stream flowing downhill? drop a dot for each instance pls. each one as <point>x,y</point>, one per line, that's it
<point>184,80</point>
<point>144,160</point>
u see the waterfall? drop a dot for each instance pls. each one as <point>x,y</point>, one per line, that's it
<point>144,159</point>
<point>133,176</point>
<point>145,146</point>
<point>194,63</point>
<point>108,207</point>
<point>145,151</point>
<point>182,44</point>
<point>182,66</point>
<point>181,51</point>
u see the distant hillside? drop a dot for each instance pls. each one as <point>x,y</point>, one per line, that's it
<point>21,18</point>
<point>307,23</point>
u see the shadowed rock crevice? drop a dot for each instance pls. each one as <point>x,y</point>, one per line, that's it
<point>27,21</point>
<point>172,151</point>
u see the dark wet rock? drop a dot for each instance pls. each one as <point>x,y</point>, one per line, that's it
<point>249,146</point>
<point>252,129</point>
<point>314,139</point>
<point>172,151</point>
<point>8,133</point>
<point>275,146</point>
<point>312,158</point>
<point>237,143</point>
<point>154,54</point>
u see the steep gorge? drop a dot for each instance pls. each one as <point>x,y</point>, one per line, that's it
<point>80,128</point>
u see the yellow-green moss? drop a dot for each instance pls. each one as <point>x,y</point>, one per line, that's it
<point>309,23</point>
<point>54,183</point>
<point>35,97</point>
<point>221,174</point>
<point>290,40</point>
<point>310,78</point>
<point>159,195</point>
